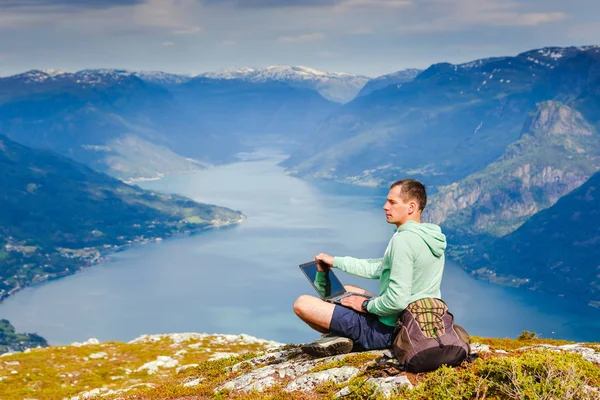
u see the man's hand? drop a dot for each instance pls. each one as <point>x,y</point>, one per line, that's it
<point>325,259</point>
<point>354,302</point>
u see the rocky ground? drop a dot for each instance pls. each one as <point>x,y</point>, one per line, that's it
<point>201,366</point>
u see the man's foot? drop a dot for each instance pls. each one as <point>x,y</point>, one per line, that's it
<point>328,345</point>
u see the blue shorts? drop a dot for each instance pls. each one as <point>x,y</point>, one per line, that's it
<point>364,329</point>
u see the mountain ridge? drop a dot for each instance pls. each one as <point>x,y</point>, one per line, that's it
<point>557,152</point>
<point>480,105</point>
<point>558,245</point>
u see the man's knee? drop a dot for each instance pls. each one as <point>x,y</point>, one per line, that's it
<point>301,305</point>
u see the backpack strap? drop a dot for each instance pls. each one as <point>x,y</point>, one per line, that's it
<point>389,364</point>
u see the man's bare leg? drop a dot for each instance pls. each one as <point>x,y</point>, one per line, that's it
<point>318,314</point>
<point>356,289</point>
<point>315,312</point>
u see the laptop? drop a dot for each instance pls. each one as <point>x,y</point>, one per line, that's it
<point>327,285</point>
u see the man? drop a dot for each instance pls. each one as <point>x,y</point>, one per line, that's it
<point>411,269</point>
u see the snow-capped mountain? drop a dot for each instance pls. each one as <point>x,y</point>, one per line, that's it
<point>97,76</point>
<point>336,86</point>
<point>406,75</point>
<point>279,72</point>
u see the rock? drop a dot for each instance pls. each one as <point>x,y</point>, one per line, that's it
<point>310,381</point>
<point>161,362</point>
<point>177,338</point>
<point>90,341</point>
<point>272,358</point>
<point>180,353</point>
<point>195,382</point>
<point>94,393</point>
<point>479,348</point>
<point>243,339</point>
<point>275,366</point>
<point>99,355</point>
<point>385,386</point>
<point>587,353</point>
<point>218,356</point>
<point>264,377</point>
<point>184,367</point>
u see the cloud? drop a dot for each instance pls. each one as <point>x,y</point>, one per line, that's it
<point>309,37</point>
<point>167,44</point>
<point>328,54</point>
<point>66,4</point>
<point>584,30</point>
<point>228,43</point>
<point>131,18</point>
<point>336,4</point>
<point>351,4</point>
<point>271,3</point>
<point>360,31</point>
<point>457,15</point>
<point>192,30</point>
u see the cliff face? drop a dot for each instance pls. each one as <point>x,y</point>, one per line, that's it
<point>199,366</point>
<point>557,152</point>
<point>559,246</point>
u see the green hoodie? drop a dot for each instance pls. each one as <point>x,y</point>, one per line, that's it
<point>411,269</point>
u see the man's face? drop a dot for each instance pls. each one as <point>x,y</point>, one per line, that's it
<point>396,210</point>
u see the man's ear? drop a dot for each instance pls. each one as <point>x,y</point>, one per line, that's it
<point>412,207</point>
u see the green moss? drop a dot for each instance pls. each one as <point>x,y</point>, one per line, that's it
<point>525,339</point>
<point>531,375</point>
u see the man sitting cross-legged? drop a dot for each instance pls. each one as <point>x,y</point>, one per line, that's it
<point>411,269</point>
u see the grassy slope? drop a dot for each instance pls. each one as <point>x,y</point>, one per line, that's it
<point>59,372</point>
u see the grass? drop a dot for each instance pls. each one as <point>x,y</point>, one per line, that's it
<point>65,371</point>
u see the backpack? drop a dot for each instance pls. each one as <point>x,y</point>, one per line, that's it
<point>426,337</point>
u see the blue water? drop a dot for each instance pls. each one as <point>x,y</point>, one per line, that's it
<point>244,279</point>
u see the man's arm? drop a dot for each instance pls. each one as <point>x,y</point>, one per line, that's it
<point>364,268</point>
<point>397,295</point>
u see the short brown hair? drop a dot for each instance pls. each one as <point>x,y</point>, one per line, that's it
<point>411,189</point>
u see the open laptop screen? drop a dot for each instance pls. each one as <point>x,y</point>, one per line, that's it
<point>326,283</point>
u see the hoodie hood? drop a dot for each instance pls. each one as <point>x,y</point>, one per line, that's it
<point>430,233</point>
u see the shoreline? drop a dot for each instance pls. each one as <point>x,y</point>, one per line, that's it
<point>501,279</point>
<point>103,255</point>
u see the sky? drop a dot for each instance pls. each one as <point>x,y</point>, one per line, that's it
<point>368,37</point>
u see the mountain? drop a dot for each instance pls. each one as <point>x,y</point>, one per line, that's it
<point>450,121</point>
<point>201,366</point>
<point>10,341</point>
<point>334,86</point>
<point>557,152</point>
<point>396,78</point>
<point>113,122</point>
<point>132,128</point>
<point>245,113</point>
<point>556,250</point>
<point>57,216</point>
